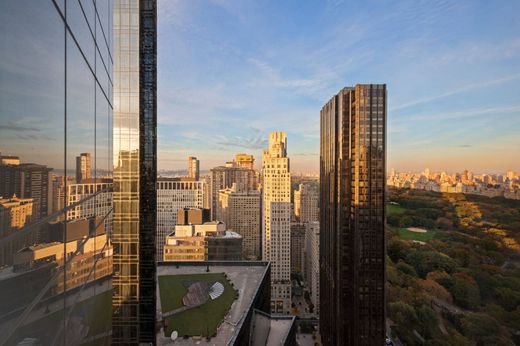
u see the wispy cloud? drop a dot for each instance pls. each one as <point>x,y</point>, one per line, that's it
<point>464,89</point>
<point>12,127</point>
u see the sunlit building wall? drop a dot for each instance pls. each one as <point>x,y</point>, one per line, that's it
<point>135,171</point>
<point>276,220</point>
<point>352,200</point>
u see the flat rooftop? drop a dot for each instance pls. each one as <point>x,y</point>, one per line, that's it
<point>246,278</point>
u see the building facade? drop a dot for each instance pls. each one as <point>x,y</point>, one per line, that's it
<point>100,204</point>
<point>224,177</point>
<point>210,241</point>
<point>135,171</point>
<point>311,263</point>
<point>276,220</point>
<point>352,197</point>
<point>241,211</point>
<point>297,246</point>
<point>193,168</point>
<point>306,204</point>
<point>83,167</point>
<point>174,194</point>
<point>28,180</point>
<point>245,161</point>
<point>15,213</point>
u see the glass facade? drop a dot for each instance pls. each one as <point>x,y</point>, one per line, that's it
<point>55,104</point>
<point>352,216</point>
<point>135,171</point>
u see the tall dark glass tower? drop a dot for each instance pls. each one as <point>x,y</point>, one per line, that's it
<point>135,171</point>
<point>352,195</point>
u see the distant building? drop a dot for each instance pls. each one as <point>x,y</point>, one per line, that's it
<point>193,168</point>
<point>241,210</point>
<point>193,216</point>
<point>96,249</point>
<point>9,160</point>
<point>245,161</point>
<point>28,180</point>
<point>352,218</point>
<point>174,194</point>
<point>276,233</point>
<point>223,177</point>
<point>83,167</point>
<point>297,246</point>
<point>15,213</point>
<point>306,204</point>
<point>311,263</point>
<point>210,241</point>
<point>98,206</point>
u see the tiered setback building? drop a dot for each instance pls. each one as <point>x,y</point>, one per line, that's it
<point>240,210</point>
<point>352,200</point>
<point>306,204</point>
<point>276,234</point>
<point>311,263</point>
<point>174,194</point>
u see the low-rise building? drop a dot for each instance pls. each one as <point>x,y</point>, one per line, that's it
<point>210,241</point>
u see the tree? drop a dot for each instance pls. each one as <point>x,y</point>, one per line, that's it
<point>427,321</point>
<point>429,260</point>
<point>507,298</point>
<point>405,268</point>
<point>465,294</point>
<point>484,330</point>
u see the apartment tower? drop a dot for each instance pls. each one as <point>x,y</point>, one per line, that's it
<point>276,222</point>
<point>83,167</point>
<point>352,216</point>
<point>135,171</point>
<point>193,168</point>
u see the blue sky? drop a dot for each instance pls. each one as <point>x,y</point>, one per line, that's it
<point>230,71</point>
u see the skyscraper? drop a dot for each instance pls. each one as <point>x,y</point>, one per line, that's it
<point>223,177</point>
<point>135,171</point>
<point>306,204</point>
<point>193,168</point>
<point>83,167</point>
<point>174,194</point>
<point>352,195</point>
<point>245,161</point>
<point>241,211</point>
<point>276,223</point>
<point>28,180</point>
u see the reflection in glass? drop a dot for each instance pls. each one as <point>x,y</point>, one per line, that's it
<point>55,104</point>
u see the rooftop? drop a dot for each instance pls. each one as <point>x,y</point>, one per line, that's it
<point>245,277</point>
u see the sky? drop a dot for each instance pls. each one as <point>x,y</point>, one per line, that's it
<point>231,71</point>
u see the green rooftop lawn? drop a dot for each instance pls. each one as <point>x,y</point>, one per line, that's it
<point>394,209</point>
<point>409,235</point>
<point>202,320</point>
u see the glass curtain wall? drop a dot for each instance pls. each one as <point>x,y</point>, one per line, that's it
<point>55,224</point>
